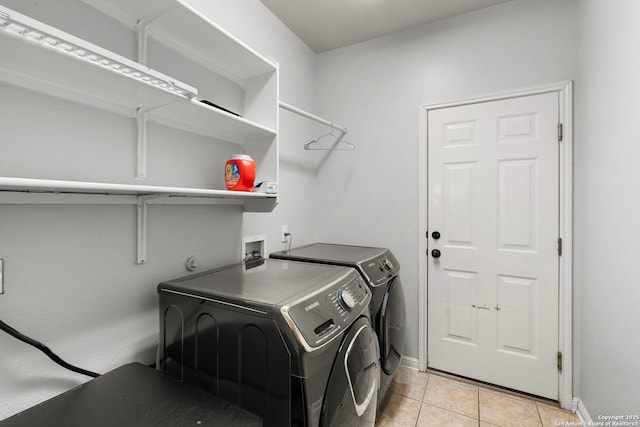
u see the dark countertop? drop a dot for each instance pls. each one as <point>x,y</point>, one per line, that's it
<point>134,395</point>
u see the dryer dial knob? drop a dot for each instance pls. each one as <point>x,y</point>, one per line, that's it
<point>347,300</point>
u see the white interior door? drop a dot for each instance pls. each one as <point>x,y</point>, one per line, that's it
<point>493,195</point>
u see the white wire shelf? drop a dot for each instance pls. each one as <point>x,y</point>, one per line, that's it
<point>44,59</point>
<point>31,185</point>
<point>23,190</point>
<point>177,25</point>
<point>200,118</point>
<point>47,60</point>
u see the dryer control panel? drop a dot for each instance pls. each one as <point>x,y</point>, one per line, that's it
<point>380,268</point>
<point>318,318</point>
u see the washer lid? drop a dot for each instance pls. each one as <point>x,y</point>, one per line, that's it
<point>267,285</point>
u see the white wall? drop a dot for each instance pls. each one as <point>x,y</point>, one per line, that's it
<point>375,89</point>
<point>70,274</point>
<point>609,207</point>
<point>254,24</point>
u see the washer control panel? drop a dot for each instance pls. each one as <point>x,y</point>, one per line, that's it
<point>346,300</point>
<point>318,318</point>
<point>349,295</point>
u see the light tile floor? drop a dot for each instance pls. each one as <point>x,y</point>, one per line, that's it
<point>430,399</point>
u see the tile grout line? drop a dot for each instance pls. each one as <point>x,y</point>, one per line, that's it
<point>539,414</point>
<point>424,392</point>
<point>478,406</point>
<point>418,418</point>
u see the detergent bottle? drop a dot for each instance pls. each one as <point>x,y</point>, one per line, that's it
<point>240,173</point>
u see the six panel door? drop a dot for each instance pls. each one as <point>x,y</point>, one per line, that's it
<point>493,196</point>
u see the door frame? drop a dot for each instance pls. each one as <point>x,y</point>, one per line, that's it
<point>565,305</point>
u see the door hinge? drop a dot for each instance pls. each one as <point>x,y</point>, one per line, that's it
<point>560,128</point>
<point>559,361</point>
<point>559,246</point>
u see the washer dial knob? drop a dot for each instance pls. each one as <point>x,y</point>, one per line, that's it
<point>347,300</point>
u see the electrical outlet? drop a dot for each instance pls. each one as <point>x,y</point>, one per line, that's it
<point>1,276</point>
<point>284,231</point>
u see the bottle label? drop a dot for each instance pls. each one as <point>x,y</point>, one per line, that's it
<point>232,174</point>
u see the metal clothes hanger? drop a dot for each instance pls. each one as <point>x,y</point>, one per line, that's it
<point>339,144</point>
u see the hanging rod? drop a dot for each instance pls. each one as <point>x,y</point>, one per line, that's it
<point>343,130</point>
<point>313,117</point>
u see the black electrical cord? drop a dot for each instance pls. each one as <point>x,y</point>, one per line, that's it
<point>290,238</point>
<point>46,350</point>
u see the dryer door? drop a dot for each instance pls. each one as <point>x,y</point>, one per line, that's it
<point>350,397</point>
<point>392,326</point>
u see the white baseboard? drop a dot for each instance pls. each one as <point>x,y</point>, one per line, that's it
<point>581,411</point>
<point>409,363</point>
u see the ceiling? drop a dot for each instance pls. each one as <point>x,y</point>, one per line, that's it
<point>329,24</point>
